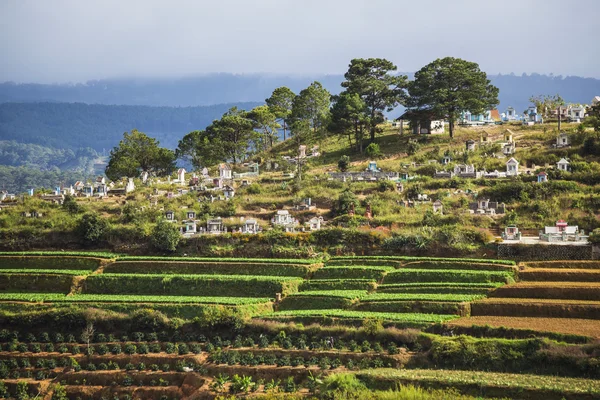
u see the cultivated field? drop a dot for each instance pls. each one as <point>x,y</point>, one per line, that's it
<point>103,326</point>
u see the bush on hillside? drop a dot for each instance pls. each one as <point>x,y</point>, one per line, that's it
<point>165,236</point>
<point>373,150</point>
<point>92,228</point>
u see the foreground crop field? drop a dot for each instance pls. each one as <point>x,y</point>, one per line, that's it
<point>103,326</point>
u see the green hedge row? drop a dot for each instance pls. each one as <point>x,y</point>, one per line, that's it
<point>458,265</point>
<point>338,284</point>
<point>313,303</point>
<point>40,262</point>
<point>352,272</point>
<point>408,258</point>
<point>440,275</point>
<point>237,268</point>
<point>94,254</point>
<point>36,283</point>
<point>433,289</point>
<point>424,307</point>
<point>362,261</point>
<point>191,285</point>
<point>223,259</point>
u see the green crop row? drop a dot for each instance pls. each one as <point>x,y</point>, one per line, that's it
<point>37,283</point>
<point>338,284</point>
<point>441,275</point>
<point>412,317</point>
<point>191,285</point>
<point>40,262</point>
<point>294,302</point>
<point>197,267</point>
<point>10,271</point>
<point>95,254</point>
<point>352,272</point>
<point>408,258</point>
<point>421,307</point>
<point>348,294</point>
<point>461,265</point>
<point>491,285</point>
<point>47,297</point>
<point>375,297</point>
<point>516,384</point>
<point>222,259</point>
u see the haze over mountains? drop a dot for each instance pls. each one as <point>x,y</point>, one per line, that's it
<point>211,89</point>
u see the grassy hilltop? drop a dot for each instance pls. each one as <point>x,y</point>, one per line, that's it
<point>572,196</point>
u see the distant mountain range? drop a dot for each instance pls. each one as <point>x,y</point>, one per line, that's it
<point>229,88</point>
<point>84,115</point>
<point>100,127</point>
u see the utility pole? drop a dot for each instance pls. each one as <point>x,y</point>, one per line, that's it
<point>559,112</point>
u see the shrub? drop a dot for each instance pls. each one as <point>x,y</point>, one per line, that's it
<point>182,349</point>
<point>170,348</point>
<point>92,228</point>
<point>155,348</point>
<point>339,385</point>
<point>165,236</point>
<point>373,150</point>
<point>102,349</point>
<point>343,163</point>
<point>116,349</point>
<point>142,349</point>
<point>130,349</point>
<point>289,386</point>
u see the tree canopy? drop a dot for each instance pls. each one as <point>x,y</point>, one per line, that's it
<point>138,153</point>
<point>448,86</point>
<point>310,109</point>
<point>235,131</point>
<point>280,104</point>
<point>348,118</point>
<point>378,89</point>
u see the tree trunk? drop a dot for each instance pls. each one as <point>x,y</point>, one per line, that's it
<point>372,126</point>
<point>451,126</point>
<point>284,128</point>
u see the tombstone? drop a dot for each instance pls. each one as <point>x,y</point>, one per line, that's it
<point>181,175</point>
<point>302,151</point>
<point>144,177</point>
<point>438,207</point>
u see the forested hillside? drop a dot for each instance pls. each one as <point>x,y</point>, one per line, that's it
<point>76,125</point>
<point>515,90</point>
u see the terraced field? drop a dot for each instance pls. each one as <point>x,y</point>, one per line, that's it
<point>559,296</point>
<point>180,327</point>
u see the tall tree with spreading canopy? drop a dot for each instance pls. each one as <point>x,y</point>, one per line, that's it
<point>266,123</point>
<point>311,108</point>
<point>449,86</point>
<point>348,118</point>
<point>280,104</point>
<point>236,134</point>
<point>138,153</point>
<point>200,148</point>
<point>378,89</point>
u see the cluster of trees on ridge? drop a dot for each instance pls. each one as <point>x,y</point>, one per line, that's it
<point>444,88</point>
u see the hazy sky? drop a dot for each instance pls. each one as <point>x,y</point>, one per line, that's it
<point>79,40</point>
